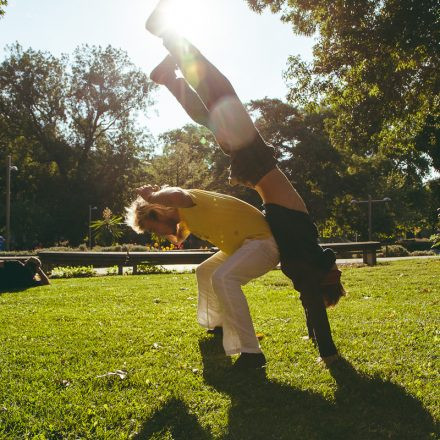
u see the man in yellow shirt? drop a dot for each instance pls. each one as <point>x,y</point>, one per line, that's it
<point>247,251</point>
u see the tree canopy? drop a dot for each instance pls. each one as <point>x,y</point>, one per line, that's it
<point>362,118</point>
<point>70,123</point>
<point>375,64</point>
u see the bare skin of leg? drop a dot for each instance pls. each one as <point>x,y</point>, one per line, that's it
<point>275,188</point>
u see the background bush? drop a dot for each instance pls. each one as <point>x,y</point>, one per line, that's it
<point>416,244</point>
<point>395,250</point>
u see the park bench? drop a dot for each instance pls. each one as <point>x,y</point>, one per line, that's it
<point>22,258</point>
<point>368,249</point>
<point>133,259</point>
<point>122,259</point>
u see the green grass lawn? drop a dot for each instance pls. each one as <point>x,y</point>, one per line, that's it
<point>56,341</point>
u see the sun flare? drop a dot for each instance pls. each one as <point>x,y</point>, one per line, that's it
<point>189,18</point>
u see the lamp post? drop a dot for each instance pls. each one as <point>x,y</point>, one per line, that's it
<point>370,202</point>
<point>91,208</point>
<point>9,168</point>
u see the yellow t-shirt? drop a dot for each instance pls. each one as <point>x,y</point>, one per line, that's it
<point>224,221</point>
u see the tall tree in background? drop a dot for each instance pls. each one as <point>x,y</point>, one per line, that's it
<point>328,180</point>
<point>376,65</point>
<point>304,151</point>
<point>70,127</point>
<point>191,158</point>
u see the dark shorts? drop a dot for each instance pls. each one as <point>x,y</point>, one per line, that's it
<point>251,163</point>
<point>302,258</point>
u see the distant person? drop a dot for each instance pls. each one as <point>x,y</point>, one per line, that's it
<point>15,275</point>
<point>2,243</point>
<point>210,100</point>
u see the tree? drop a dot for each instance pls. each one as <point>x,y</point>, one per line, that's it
<point>70,125</point>
<point>304,151</point>
<point>2,4</point>
<point>328,179</point>
<point>185,158</point>
<point>191,158</point>
<point>376,65</point>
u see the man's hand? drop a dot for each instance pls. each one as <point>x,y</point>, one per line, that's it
<point>145,191</point>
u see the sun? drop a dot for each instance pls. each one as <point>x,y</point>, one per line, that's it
<point>190,18</point>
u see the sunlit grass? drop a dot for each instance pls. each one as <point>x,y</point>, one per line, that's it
<point>174,382</point>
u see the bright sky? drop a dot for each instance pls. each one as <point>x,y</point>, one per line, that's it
<point>250,49</point>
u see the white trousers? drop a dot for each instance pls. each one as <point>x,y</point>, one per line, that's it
<point>221,299</point>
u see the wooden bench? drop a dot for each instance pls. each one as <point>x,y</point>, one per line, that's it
<point>122,259</point>
<point>368,249</point>
<point>18,257</point>
<point>133,259</point>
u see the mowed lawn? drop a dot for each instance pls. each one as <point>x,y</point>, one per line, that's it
<point>58,343</point>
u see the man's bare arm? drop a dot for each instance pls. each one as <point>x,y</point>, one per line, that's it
<point>172,197</point>
<point>44,280</point>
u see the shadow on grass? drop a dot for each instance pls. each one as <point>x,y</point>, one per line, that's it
<point>4,291</point>
<point>364,408</point>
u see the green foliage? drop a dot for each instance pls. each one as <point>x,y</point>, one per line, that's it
<point>72,272</point>
<point>376,66</point>
<point>416,244</point>
<point>422,253</point>
<point>108,230</point>
<point>328,179</point>
<point>395,250</point>
<point>191,158</point>
<point>2,4</point>
<point>185,158</point>
<point>69,124</point>
<point>59,345</point>
<point>150,269</point>
<point>436,239</point>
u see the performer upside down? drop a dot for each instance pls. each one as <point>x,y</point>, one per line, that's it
<point>210,100</point>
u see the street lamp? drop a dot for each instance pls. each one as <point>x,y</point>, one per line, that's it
<point>91,208</point>
<point>9,168</point>
<point>370,202</point>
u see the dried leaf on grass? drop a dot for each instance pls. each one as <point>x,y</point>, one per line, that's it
<point>122,374</point>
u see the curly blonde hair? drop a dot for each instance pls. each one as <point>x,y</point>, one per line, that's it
<point>140,211</point>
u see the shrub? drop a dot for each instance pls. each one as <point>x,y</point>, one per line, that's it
<point>59,249</point>
<point>436,241</point>
<point>116,248</point>
<point>73,272</point>
<point>422,253</point>
<point>416,244</point>
<point>152,269</point>
<point>395,250</point>
<point>138,248</point>
<point>16,253</point>
<point>112,270</point>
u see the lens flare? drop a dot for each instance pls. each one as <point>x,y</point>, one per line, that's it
<point>188,18</point>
